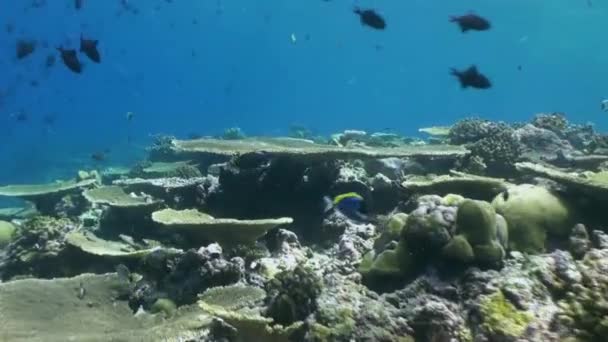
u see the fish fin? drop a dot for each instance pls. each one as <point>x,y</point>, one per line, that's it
<point>455,72</point>
<point>357,10</point>
<point>453,18</point>
<point>328,204</point>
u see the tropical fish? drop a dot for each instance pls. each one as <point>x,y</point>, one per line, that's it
<point>70,59</point>
<point>604,105</point>
<point>350,204</point>
<point>471,21</point>
<point>471,77</point>
<point>89,47</point>
<point>370,18</point>
<point>25,48</point>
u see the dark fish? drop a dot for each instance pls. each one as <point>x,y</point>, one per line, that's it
<point>25,48</point>
<point>9,28</point>
<point>89,47</point>
<point>70,59</point>
<point>49,120</point>
<point>98,156</point>
<point>471,77</point>
<point>471,22</point>
<point>123,273</point>
<point>370,18</point>
<point>78,4</point>
<point>50,61</point>
<point>20,116</point>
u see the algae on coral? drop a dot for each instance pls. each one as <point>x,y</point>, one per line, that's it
<point>35,310</point>
<point>202,226</point>
<point>115,196</point>
<point>308,149</point>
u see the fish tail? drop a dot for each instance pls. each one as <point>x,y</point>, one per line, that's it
<point>357,10</point>
<point>454,71</point>
<point>328,204</point>
<point>453,19</point>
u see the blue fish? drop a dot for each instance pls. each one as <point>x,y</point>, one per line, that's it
<point>351,204</point>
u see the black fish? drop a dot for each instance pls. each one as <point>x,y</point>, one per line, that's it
<point>89,47</point>
<point>20,116</point>
<point>472,78</point>
<point>78,4</point>
<point>471,22</point>
<point>70,59</point>
<point>49,120</point>
<point>371,18</point>
<point>25,48</point>
<point>98,156</point>
<point>50,61</point>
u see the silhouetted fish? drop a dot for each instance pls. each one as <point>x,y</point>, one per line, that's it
<point>98,156</point>
<point>20,116</point>
<point>49,120</point>
<point>70,59</point>
<point>50,61</point>
<point>24,48</point>
<point>471,77</point>
<point>370,18</point>
<point>89,47</point>
<point>78,4</point>
<point>471,22</point>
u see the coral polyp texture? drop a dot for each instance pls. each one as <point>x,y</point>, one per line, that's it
<point>485,232</point>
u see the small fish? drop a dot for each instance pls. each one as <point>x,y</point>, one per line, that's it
<point>130,116</point>
<point>89,47</point>
<point>20,116</point>
<point>471,21</point>
<point>25,48</point>
<point>350,204</point>
<point>98,156</point>
<point>70,59</point>
<point>604,105</point>
<point>50,61</point>
<point>123,273</point>
<point>49,120</point>
<point>78,4</point>
<point>370,18</point>
<point>471,77</point>
<point>81,291</point>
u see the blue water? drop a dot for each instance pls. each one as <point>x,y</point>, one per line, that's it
<point>200,66</point>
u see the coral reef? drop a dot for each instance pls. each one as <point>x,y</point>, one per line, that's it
<point>192,244</point>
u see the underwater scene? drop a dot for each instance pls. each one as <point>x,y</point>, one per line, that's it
<point>294,171</point>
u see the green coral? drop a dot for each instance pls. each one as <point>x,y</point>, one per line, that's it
<point>476,220</point>
<point>477,237</point>
<point>531,213</point>
<point>459,249</point>
<point>292,295</point>
<point>165,306</point>
<point>7,232</point>
<point>501,319</point>
<point>390,264</point>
